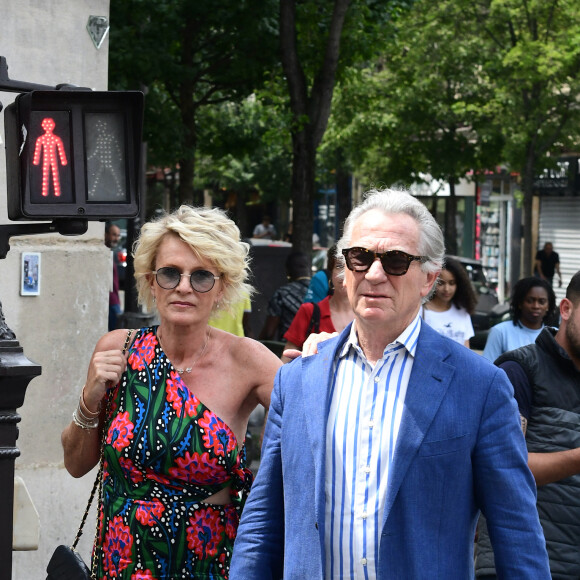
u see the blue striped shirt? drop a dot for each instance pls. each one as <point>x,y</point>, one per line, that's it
<point>366,406</point>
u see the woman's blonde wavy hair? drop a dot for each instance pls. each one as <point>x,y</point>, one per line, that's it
<point>211,235</point>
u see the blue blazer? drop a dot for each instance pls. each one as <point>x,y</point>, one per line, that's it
<point>460,449</point>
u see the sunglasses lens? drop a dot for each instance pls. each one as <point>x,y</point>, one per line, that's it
<point>202,280</point>
<point>395,264</point>
<point>168,278</point>
<point>358,259</point>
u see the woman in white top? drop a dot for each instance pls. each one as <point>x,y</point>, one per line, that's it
<point>449,311</point>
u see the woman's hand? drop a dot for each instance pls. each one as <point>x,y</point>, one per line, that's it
<point>105,370</point>
<point>310,345</point>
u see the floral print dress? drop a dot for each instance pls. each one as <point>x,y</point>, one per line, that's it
<point>165,452</point>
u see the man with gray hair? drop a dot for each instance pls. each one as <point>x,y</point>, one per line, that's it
<point>380,451</point>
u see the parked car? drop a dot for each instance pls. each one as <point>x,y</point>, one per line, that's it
<point>489,310</point>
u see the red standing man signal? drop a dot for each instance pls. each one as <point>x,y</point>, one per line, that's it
<point>48,145</point>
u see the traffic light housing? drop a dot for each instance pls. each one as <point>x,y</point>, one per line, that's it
<point>74,154</point>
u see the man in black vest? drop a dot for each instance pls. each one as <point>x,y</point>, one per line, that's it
<point>546,380</point>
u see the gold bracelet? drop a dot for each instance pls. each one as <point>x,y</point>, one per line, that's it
<point>83,406</point>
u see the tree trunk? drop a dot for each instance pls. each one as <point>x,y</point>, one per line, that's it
<point>451,220</point>
<point>528,191</point>
<point>343,194</point>
<point>310,113</point>
<point>242,213</point>
<point>303,184</point>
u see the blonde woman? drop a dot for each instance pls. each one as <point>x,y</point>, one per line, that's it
<point>175,477</point>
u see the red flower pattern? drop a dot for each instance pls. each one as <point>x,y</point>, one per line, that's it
<point>204,532</point>
<point>143,575</point>
<point>232,522</point>
<point>120,431</point>
<point>199,469</point>
<point>143,352</point>
<point>216,434</point>
<point>180,396</point>
<point>149,512</point>
<point>162,479</point>
<point>117,547</point>
<point>209,530</point>
<point>130,471</point>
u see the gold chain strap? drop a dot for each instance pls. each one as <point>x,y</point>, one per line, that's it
<point>98,482</point>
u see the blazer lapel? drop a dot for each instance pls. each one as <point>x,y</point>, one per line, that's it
<point>428,384</point>
<point>316,381</point>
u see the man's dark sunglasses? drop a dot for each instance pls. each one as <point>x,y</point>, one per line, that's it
<point>394,262</point>
<point>169,278</point>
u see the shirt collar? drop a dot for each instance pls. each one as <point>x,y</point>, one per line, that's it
<point>407,339</point>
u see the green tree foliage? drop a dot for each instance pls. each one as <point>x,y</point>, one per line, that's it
<point>319,40</point>
<point>188,55</point>
<point>417,113</point>
<point>533,61</point>
<point>244,149</point>
<point>465,85</point>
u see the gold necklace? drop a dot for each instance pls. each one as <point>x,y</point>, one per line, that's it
<point>189,369</point>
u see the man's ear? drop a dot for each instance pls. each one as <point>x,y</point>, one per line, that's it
<point>431,278</point>
<point>566,308</point>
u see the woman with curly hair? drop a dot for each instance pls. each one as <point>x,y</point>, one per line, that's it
<point>174,409</point>
<point>532,305</point>
<point>449,310</point>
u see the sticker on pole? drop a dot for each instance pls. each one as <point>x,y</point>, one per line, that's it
<point>98,27</point>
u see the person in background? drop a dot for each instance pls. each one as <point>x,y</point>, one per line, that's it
<point>112,237</point>
<point>320,284</point>
<point>548,262</point>
<point>449,310</point>
<point>235,320</point>
<point>532,304</point>
<point>265,230</point>
<point>287,299</point>
<point>174,409</point>
<point>546,380</point>
<point>331,314</point>
<point>380,450</point>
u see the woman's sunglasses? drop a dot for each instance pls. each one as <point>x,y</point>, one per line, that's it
<point>394,262</point>
<point>169,278</point>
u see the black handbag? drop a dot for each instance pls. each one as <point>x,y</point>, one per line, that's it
<point>66,563</point>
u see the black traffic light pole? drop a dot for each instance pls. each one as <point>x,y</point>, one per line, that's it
<point>16,371</point>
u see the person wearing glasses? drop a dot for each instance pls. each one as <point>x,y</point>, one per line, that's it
<point>174,409</point>
<point>380,451</point>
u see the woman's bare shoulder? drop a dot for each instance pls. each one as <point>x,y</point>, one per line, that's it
<point>250,353</point>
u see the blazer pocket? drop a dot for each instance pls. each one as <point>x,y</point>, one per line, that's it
<point>444,446</point>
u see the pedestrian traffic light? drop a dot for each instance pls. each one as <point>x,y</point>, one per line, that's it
<point>73,154</point>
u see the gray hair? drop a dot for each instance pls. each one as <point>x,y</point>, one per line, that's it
<point>400,201</point>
